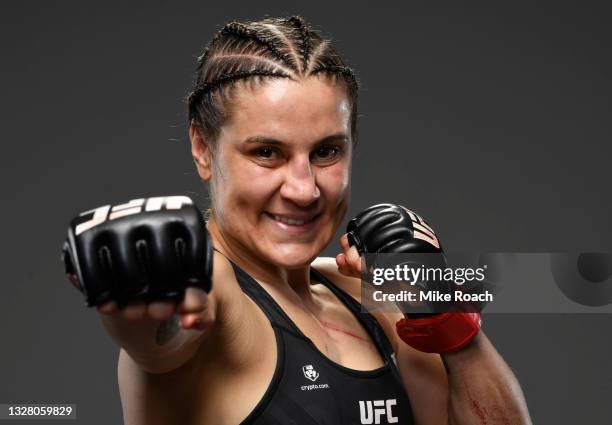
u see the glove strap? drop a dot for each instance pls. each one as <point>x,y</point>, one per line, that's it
<point>441,333</point>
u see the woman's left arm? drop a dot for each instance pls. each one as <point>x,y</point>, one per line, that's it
<point>472,386</point>
<point>482,388</point>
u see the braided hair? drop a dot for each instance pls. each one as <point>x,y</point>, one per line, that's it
<point>255,51</point>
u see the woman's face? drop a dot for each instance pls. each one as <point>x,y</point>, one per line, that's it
<point>280,175</point>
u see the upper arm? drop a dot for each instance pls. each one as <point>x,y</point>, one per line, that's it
<point>423,374</point>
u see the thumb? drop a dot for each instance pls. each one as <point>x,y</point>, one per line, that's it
<point>195,310</point>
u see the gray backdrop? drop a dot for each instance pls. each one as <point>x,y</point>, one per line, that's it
<point>490,120</point>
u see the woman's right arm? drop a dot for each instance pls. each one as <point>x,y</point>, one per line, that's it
<point>137,254</point>
<point>160,337</point>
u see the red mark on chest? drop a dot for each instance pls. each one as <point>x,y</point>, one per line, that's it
<point>337,328</point>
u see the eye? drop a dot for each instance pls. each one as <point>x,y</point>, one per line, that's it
<point>265,153</point>
<point>327,153</point>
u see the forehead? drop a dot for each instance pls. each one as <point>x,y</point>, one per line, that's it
<point>289,110</point>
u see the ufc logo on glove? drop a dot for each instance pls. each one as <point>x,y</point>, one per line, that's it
<point>421,229</point>
<point>101,214</point>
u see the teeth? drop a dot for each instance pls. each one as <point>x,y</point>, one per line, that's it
<point>289,220</point>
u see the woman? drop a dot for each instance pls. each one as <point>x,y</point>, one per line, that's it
<point>272,127</point>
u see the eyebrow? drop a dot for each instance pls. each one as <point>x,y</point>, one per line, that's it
<point>338,137</point>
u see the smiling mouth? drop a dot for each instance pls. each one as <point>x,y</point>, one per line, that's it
<point>293,221</point>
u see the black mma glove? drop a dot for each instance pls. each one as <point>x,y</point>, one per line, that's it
<point>147,250</point>
<point>388,228</point>
<point>391,229</point>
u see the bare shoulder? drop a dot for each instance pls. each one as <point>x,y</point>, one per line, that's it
<point>225,286</point>
<point>240,323</point>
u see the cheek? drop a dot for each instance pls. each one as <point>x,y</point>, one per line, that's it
<point>335,183</point>
<point>241,188</point>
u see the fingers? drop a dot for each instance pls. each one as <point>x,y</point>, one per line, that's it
<point>195,311</point>
<point>344,243</point>
<point>109,307</point>
<point>349,261</point>
<point>195,301</point>
<point>135,311</point>
<point>354,260</point>
<point>160,310</point>
<point>194,322</point>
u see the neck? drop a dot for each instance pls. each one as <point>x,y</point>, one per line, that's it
<point>292,283</point>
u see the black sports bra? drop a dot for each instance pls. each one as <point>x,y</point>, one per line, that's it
<point>308,388</point>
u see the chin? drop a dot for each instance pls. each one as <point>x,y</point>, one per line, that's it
<point>293,256</point>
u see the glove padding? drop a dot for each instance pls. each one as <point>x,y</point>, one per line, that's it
<point>146,250</point>
<point>394,229</point>
<point>388,228</point>
<point>391,229</point>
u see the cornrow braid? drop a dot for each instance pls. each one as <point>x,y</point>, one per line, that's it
<point>200,89</point>
<point>304,38</point>
<point>242,32</point>
<point>345,71</point>
<point>270,48</point>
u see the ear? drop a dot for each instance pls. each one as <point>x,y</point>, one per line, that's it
<point>200,150</point>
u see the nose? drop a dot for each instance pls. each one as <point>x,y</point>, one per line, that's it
<point>300,184</point>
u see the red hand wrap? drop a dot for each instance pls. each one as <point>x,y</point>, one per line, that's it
<point>442,333</point>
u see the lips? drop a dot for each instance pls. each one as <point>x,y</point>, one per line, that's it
<point>294,221</point>
<point>291,220</point>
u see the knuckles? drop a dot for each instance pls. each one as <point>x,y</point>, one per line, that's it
<point>390,228</point>
<point>145,256</point>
